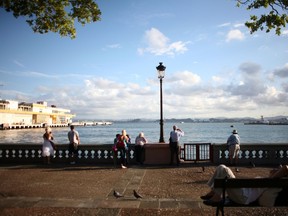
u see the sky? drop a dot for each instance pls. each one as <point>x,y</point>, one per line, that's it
<point>214,66</point>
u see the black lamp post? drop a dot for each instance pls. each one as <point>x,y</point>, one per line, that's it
<point>161,73</point>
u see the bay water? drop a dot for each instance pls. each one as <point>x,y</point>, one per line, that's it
<point>194,133</point>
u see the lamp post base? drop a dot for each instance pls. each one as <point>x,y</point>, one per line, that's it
<point>161,139</point>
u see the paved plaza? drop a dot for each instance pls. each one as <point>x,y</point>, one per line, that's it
<point>62,189</point>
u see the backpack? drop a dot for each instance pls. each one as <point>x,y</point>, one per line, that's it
<point>120,142</point>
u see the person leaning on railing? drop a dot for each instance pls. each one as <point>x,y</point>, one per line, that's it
<point>121,147</point>
<point>233,143</point>
<point>174,145</point>
<point>48,146</point>
<point>140,141</point>
<point>74,142</point>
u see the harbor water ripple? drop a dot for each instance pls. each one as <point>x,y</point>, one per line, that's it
<point>194,133</point>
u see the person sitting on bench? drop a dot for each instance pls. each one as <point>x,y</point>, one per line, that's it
<point>241,195</point>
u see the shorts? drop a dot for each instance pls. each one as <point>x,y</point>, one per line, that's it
<point>234,150</point>
<point>72,149</point>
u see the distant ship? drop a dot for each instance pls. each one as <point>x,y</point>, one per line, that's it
<point>91,123</point>
<point>15,115</point>
<point>262,121</point>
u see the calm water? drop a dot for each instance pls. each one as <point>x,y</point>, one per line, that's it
<point>194,132</point>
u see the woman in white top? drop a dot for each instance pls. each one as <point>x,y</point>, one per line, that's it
<point>48,145</point>
<point>140,141</point>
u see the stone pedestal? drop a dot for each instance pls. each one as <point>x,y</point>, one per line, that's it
<point>157,153</point>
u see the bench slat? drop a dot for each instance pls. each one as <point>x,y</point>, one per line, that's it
<point>251,183</point>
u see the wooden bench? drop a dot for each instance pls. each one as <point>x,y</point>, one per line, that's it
<point>245,183</point>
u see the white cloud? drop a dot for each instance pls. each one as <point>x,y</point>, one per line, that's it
<point>184,78</point>
<point>19,64</point>
<point>158,44</point>
<point>285,32</point>
<point>185,95</point>
<point>38,74</point>
<point>114,46</point>
<point>224,25</point>
<point>217,79</point>
<point>238,25</point>
<point>234,34</point>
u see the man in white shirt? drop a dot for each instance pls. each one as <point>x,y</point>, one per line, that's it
<point>74,141</point>
<point>174,144</point>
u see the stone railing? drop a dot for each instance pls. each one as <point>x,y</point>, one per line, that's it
<point>264,154</point>
<point>32,153</point>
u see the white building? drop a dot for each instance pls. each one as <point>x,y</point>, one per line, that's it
<point>15,113</point>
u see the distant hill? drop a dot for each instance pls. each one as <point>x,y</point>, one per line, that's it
<point>203,120</point>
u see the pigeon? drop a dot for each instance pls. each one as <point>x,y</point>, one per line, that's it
<point>137,195</point>
<point>117,194</point>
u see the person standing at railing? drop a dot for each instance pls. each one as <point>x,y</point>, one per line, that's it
<point>140,141</point>
<point>174,145</point>
<point>122,146</point>
<point>48,146</point>
<point>115,150</point>
<point>233,143</point>
<point>128,143</point>
<point>74,142</point>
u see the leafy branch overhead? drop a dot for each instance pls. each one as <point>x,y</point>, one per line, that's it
<point>275,18</point>
<point>59,15</point>
<point>54,15</point>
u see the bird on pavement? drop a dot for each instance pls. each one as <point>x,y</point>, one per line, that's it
<point>117,194</point>
<point>137,195</point>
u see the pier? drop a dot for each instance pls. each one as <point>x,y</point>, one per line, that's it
<point>42,125</point>
<point>31,126</point>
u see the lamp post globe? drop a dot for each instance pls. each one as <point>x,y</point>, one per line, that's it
<point>161,73</point>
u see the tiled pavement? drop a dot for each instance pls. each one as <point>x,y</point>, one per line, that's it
<point>127,183</point>
<point>19,199</point>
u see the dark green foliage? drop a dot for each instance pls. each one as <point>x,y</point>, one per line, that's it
<point>276,18</point>
<point>54,15</point>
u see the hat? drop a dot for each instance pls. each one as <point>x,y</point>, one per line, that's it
<point>234,132</point>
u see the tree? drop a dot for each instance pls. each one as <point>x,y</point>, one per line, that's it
<point>54,15</point>
<point>276,19</point>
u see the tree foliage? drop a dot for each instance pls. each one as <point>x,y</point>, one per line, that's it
<point>54,15</point>
<point>276,18</point>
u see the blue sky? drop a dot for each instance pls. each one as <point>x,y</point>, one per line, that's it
<point>214,66</point>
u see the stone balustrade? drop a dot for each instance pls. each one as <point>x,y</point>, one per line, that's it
<point>264,154</point>
<point>87,154</point>
<point>156,153</point>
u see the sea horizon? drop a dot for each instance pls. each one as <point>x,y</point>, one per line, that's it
<point>194,133</point>
<point>189,119</point>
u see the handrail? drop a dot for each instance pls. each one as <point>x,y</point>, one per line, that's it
<point>262,154</point>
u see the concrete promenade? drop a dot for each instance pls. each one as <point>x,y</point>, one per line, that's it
<point>64,189</point>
